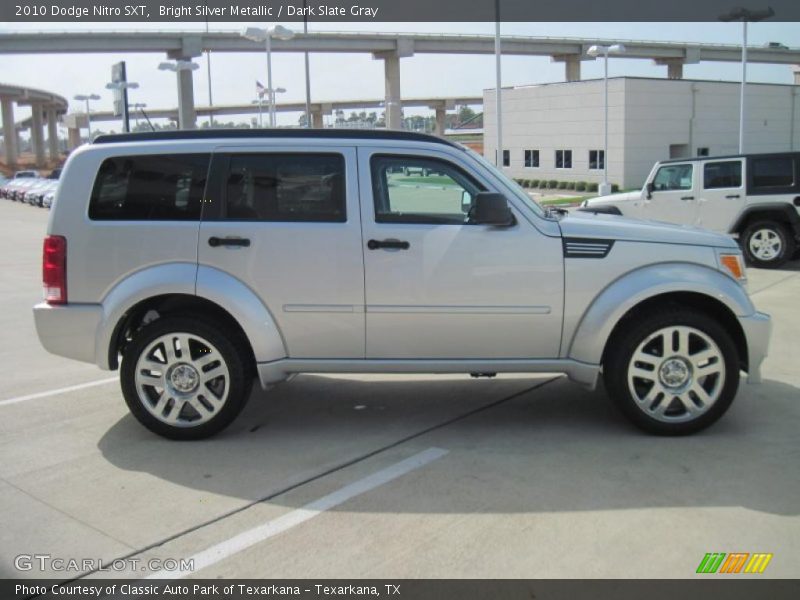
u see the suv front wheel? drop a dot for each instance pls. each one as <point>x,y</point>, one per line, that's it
<point>672,373</point>
<point>767,244</point>
<point>183,378</point>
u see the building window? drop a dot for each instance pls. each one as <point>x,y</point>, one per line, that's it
<point>531,158</point>
<point>563,159</point>
<point>597,159</point>
<point>702,151</point>
<point>506,158</point>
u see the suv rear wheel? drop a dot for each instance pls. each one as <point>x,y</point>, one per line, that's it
<point>673,373</point>
<point>767,244</point>
<point>183,378</point>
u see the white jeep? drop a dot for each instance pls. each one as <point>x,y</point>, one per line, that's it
<point>199,261</point>
<point>753,197</point>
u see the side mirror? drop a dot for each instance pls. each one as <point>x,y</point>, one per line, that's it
<point>490,208</point>
<point>466,202</point>
<point>649,188</point>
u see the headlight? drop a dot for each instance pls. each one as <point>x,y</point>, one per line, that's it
<point>732,264</point>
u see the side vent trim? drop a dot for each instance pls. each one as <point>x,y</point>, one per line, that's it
<point>586,247</point>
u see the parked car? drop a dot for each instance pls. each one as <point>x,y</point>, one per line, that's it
<point>27,174</point>
<point>19,190</point>
<point>196,261</point>
<point>754,197</point>
<point>35,195</point>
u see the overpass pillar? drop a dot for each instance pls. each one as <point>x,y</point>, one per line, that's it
<point>675,70</point>
<point>394,112</point>
<point>52,134</point>
<point>187,119</point>
<point>316,119</point>
<point>441,113</point>
<point>572,68</point>
<point>796,71</point>
<point>9,130</point>
<point>37,134</point>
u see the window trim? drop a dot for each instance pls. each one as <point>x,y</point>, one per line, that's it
<point>215,205</point>
<point>563,156</point>
<point>538,158</point>
<point>599,167</point>
<point>738,161</point>
<point>210,158</point>
<point>417,219</point>
<point>672,165</point>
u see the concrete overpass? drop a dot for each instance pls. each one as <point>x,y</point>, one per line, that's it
<point>318,109</point>
<point>45,108</point>
<point>389,47</point>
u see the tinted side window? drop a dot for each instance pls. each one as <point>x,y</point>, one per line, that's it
<point>150,188</point>
<point>409,189</point>
<point>722,175</point>
<point>773,172</point>
<point>673,177</point>
<point>285,187</point>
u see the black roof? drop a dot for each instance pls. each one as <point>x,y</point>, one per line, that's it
<point>729,156</point>
<point>327,134</point>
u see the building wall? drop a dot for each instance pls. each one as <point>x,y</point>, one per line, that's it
<point>649,120</point>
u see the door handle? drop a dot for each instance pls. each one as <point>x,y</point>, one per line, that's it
<point>215,242</point>
<point>392,244</point>
<point>732,196</point>
<point>687,197</point>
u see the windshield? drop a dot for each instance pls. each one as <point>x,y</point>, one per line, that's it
<point>519,192</point>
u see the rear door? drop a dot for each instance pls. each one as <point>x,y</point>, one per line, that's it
<point>285,222</point>
<point>722,193</point>
<point>673,197</point>
<point>440,287</point>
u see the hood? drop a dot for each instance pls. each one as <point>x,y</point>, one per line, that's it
<point>613,198</point>
<point>613,227</point>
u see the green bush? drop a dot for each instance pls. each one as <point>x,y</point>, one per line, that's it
<point>552,184</point>
<point>580,186</point>
<point>562,185</point>
<point>591,187</point>
<point>570,185</point>
<point>533,183</point>
<point>614,188</point>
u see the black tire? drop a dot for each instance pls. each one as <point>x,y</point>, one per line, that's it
<point>233,353</point>
<point>625,343</point>
<point>787,243</point>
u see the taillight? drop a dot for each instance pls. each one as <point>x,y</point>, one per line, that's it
<point>54,269</point>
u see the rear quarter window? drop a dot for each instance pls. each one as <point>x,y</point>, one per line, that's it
<point>152,187</point>
<point>773,172</point>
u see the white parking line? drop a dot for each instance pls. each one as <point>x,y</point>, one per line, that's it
<point>64,390</point>
<point>244,540</point>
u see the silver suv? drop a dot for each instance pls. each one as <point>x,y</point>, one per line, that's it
<point>207,259</point>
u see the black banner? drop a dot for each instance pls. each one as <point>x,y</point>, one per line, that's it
<point>729,587</point>
<point>383,10</point>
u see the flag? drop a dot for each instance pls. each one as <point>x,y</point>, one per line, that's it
<point>260,89</point>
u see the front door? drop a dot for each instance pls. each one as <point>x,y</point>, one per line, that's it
<point>722,196</point>
<point>673,197</point>
<point>437,286</point>
<point>285,222</point>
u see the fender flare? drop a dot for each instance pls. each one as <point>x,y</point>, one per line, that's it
<point>620,296</point>
<point>246,307</point>
<point>787,210</point>
<point>211,284</point>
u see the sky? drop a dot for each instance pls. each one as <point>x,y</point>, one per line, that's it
<point>349,76</point>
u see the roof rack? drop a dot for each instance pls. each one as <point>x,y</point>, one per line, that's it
<point>204,134</point>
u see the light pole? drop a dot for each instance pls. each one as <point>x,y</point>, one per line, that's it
<point>745,16</point>
<point>256,34</point>
<point>258,101</point>
<point>86,98</point>
<point>605,188</point>
<point>122,87</point>
<point>138,106</point>
<point>183,69</point>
